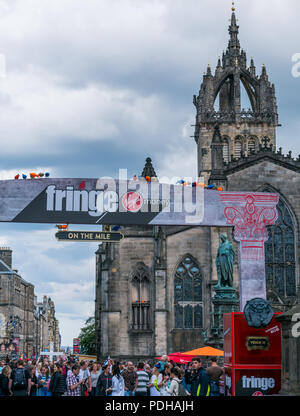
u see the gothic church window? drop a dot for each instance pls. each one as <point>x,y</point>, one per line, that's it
<point>140,294</point>
<point>226,149</point>
<point>237,148</point>
<point>188,304</point>
<point>251,145</point>
<point>280,254</point>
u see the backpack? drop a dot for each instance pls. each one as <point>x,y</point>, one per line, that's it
<point>181,389</point>
<point>19,380</point>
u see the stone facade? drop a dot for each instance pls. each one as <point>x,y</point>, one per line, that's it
<point>46,325</point>
<point>16,307</point>
<point>24,326</point>
<point>140,310</point>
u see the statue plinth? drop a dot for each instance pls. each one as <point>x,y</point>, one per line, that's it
<point>225,294</point>
<point>224,301</point>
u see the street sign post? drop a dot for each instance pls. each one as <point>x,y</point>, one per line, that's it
<point>51,353</point>
<point>108,237</point>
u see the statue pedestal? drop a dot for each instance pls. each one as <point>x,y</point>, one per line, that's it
<point>224,301</point>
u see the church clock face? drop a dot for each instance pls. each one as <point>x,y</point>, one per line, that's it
<point>2,325</point>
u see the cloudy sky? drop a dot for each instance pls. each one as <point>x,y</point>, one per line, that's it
<point>91,86</point>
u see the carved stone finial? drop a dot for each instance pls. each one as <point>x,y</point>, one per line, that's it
<point>265,141</point>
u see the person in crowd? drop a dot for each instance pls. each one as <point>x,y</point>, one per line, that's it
<point>200,385</point>
<point>44,381</point>
<point>4,381</point>
<point>143,380</point>
<point>215,372</point>
<point>57,384</point>
<point>95,373</point>
<point>166,380</point>
<point>2,364</point>
<point>130,379</point>
<point>38,369</point>
<point>183,382</point>
<point>64,368</point>
<point>155,382</point>
<point>118,384</point>
<point>20,382</point>
<point>104,383</point>
<point>34,381</point>
<point>122,367</point>
<point>173,389</point>
<point>188,377</point>
<point>73,382</point>
<point>99,367</point>
<point>161,364</point>
<point>148,371</point>
<point>84,373</point>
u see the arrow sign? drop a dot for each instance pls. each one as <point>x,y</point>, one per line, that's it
<point>88,236</point>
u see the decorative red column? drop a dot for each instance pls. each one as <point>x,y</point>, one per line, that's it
<point>250,213</point>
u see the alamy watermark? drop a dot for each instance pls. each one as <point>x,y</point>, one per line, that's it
<point>132,195</point>
<point>296,326</point>
<point>296,67</point>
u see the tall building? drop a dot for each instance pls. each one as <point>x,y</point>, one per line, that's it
<point>26,327</point>
<point>16,308</point>
<point>154,289</point>
<point>46,326</point>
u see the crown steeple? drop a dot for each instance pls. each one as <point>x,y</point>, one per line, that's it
<point>232,74</point>
<point>234,43</point>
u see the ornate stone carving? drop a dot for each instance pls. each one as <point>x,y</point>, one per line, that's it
<point>258,313</point>
<point>250,214</point>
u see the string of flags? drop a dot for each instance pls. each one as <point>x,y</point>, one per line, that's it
<point>200,184</point>
<point>180,182</point>
<point>145,178</point>
<point>33,175</point>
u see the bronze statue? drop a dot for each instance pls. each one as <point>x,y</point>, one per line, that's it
<point>225,262</point>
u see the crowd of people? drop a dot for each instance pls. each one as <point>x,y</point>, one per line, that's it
<point>68,377</point>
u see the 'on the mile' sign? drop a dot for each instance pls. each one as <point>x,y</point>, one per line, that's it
<point>88,236</point>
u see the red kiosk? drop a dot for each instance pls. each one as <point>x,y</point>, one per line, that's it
<point>252,357</point>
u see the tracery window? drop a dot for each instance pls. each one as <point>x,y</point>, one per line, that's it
<point>188,306</point>
<point>280,254</point>
<point>140,293</point>
<point>225,150</point>
<point>237,148</point>
<point>251,145</point>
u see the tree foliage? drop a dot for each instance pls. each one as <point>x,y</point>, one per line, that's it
<point>87,337</point>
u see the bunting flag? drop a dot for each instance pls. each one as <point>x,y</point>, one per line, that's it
<point>82,185</point>
<point>106,362</point>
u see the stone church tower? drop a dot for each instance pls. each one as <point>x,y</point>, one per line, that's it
<point>241,129</point>
<point>154,289</point>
